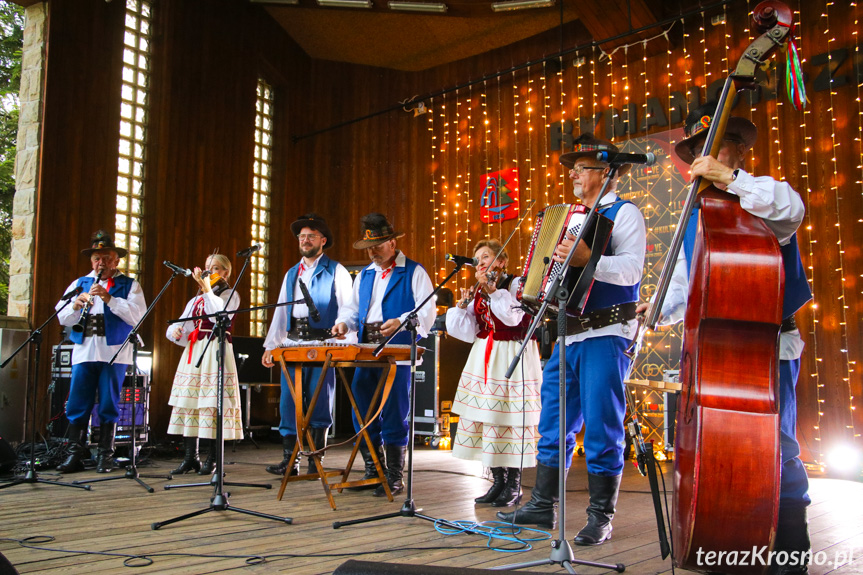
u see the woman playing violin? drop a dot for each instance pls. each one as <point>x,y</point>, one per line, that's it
<point>498,417</point>
<point>194,394</point>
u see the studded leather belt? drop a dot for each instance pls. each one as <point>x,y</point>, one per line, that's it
<point>605,317</point>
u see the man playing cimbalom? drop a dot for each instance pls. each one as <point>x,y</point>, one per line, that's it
<point>386,291</point>
<point>329,284</point>
<point>116,306</point>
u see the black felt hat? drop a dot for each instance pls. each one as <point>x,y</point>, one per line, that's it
<point>315,222</point>
<point>588,145</point>
<point>698,122</point>
<point>100,240</point>
<point>376,229</point>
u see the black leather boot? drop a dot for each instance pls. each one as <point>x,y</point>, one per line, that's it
<point>498,475</point>
<point>511,493</point>
<point>77,449</point>
<point>371,470</point>
<point>208,467</point>
<point>603,491</point>
<point>105,458</point>
<point>319,436</point>
<point>288,443</point>
<point>540,510</point>
<point>190,457</point>
<point>395,465</point>
<point>792,537</point>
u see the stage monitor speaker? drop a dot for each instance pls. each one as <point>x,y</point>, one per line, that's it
<point>248,352</point>
<point>353,567</point>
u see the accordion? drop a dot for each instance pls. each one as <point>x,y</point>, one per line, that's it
<point>540,271</point>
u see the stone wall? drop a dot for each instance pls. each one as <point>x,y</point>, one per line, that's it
<point>27,161</point>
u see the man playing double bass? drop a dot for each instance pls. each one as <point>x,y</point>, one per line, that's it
<point>781,208</point>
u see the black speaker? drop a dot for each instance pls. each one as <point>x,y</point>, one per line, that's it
<point>7,456</point>
<point>354,567</point>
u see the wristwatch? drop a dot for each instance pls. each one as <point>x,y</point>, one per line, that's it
<point>734,174</point>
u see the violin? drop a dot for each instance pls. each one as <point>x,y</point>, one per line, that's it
<point>217,283</point>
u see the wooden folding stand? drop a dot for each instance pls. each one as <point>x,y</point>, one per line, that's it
<point>338,357</point>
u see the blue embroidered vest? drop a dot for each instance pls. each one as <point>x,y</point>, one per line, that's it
<point>797,291</point>
<point>398,298</point>
<point>602,294</point>
<point>116,330</point>
<point>322,288</point>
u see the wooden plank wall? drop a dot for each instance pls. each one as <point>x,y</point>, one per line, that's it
<point>205,65</point>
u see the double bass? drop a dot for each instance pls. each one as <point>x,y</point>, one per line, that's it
<point>727,458</point>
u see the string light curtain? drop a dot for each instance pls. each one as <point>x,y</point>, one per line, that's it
<point>528,116</point>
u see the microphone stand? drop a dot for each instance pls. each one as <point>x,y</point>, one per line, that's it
<point>561,550</point>
<point>409,509</point>
<point>132,468</point>
<point>219,501</point>
<point>31,476</point>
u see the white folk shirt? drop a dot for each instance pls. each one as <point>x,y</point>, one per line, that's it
<point>277,335</point>
<point>624,268</point>
<point>95,347</point>
<point>421,286</point>
<point>782,210</point>
<point>212,303</point>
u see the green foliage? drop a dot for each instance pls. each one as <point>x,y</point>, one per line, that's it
<point>11,43</point>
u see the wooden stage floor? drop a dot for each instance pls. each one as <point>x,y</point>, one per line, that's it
<point>115,517</point>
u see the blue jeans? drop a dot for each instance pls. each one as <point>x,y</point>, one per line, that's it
<point>595,398</point>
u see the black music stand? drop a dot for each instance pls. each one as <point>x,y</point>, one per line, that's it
<point>36,337</point>
<point>132,468</point>
<point>561,550</point>
<point>409,508</point>
<point>219,501</point>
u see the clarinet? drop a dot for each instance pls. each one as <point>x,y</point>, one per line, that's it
<point>81,326</point>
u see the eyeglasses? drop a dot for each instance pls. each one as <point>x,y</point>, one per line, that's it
<point>579,168</point>
<point>303,237</point>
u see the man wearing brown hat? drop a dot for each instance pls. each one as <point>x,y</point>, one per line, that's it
<point>782,210</point>
<point>329,285</point>
<point>116,304</point>
<point>595,355</point>
<point>386,291</point>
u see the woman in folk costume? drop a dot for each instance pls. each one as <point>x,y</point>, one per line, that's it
<point>194,394</point>
<point>498,417</point>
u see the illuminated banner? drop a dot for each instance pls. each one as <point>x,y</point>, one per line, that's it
<point>499,196</point>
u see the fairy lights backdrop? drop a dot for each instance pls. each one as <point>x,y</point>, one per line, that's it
<point>637,95</point>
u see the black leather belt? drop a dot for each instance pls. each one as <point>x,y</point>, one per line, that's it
<point>372,333</point>
<point>605,317</point>
<point>303,331</point>
<point>95,325</point>
<point>788,324</point>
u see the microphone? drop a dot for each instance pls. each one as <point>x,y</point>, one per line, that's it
<point>248,251</point>
<point>177,269</point>
<point>313,311</point>
<point>647,159</point>
<point>71,293</point>
<point>461,260</point>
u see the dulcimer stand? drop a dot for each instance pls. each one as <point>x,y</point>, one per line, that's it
<point>338,357</point>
